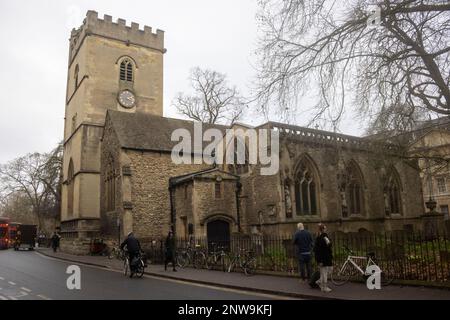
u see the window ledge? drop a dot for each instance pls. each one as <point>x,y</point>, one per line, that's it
<point>394,216</point>
<point>309,216</point>
<point>354,216</point>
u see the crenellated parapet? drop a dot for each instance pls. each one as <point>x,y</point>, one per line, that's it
<point>93,25</point>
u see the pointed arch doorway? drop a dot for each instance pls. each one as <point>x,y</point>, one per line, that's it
<point>218,233</point>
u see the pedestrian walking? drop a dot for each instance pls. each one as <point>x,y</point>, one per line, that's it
<point>170,251</point>
<point>324,257</point>
<point>55,241</point>
<point>303,242</point>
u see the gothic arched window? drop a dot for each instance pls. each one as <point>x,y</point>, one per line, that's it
<point>126,70</point>
<point>393,194</point>
<point>70,188</point>
<point>354,189</point>
<point>306,189</point>
<point>110,186</point>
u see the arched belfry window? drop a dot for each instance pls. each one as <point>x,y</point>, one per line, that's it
<point>354,189</point>
<point>392,193</point>
<point>110,185</point>
<point>70,188</point>
<point>306,188</point>
<point>126,70</point>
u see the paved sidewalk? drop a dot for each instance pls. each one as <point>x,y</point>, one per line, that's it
<point>284,286</point>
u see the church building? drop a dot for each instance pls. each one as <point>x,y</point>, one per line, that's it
<point>118,174</point>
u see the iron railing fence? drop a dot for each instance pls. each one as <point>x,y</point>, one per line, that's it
<point>403,255</point>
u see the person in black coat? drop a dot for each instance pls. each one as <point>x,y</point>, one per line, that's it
<point>324,257</point>
<point>133,248</point>
<point>55,241</point>
<point>170,251</point>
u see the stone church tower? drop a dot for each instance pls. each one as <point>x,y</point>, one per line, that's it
<point>111,66</point>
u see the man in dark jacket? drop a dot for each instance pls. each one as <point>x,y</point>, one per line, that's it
<point>324,257</point>
<point>303,242</point>
<point>170,251</point>
<point>133,248</point>
<point>55,241</point>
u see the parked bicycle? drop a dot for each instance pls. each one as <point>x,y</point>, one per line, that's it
<point>117,253</point>
<point>352,266</point>
<point>217,258</point>
<point>98,248</point>
<point>246,260</point>
<point>191,256</point>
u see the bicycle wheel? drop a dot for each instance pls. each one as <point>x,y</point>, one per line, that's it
<point>125,266</point>
<point>182,259</point>
<point>250,266</point>
<point>388,272</point>
<point>140,269</point>
<point>341,275</point>
<point>225,261</point>
<point>232,263</point>
<point>210,261</point>
<point>200,260</point>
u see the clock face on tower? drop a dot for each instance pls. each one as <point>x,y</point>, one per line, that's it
<point>127,99</point>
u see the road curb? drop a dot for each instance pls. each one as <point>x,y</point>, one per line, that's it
<point>256,290</point>
<point>72,260</point>
<point>215,284</point>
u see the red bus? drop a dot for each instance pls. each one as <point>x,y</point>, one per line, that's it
<point>12,232</point>
<point>4,233</point>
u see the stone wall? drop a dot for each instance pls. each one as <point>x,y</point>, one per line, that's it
<point>209,207</point>
<point>150,173</point>
<point>183,195</point>
<point>201,205</point>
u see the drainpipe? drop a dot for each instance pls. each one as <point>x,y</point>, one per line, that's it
<point>172,207</point>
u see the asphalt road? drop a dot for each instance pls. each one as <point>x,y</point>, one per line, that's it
<point>26,275</point>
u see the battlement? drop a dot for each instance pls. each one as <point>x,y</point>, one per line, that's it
<point>132,35</point>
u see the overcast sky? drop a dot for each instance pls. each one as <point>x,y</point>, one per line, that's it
<point>215,34</point>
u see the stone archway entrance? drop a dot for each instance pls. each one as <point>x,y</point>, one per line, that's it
<point>218,232</point>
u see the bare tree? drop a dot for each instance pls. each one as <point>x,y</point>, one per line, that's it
<point>35,179</point>
<point>23,175</point>
<point>213,100</point>
<point>395,120</point>
<point>51,176</point>
<point>331,48</point>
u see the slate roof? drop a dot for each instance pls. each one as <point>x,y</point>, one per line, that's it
<point>150,132</point>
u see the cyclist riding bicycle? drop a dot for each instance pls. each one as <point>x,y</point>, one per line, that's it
<point>133,249</point>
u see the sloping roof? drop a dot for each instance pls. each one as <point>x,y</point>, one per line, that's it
<point>150,132</point>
